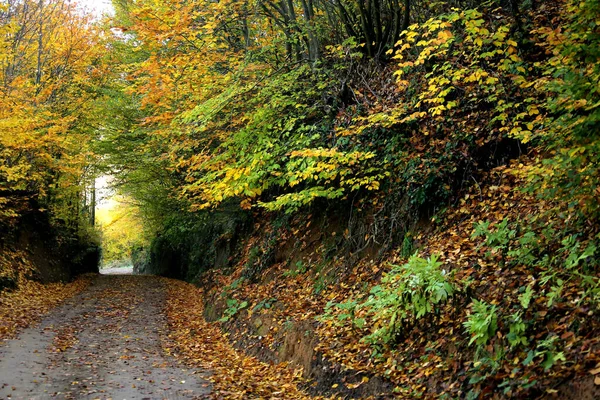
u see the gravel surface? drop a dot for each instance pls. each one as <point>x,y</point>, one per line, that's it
<point>104,343</point>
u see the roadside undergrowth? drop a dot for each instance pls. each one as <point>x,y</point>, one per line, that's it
<point>511,308</point>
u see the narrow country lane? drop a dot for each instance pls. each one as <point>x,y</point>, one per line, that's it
<point>104,343</point>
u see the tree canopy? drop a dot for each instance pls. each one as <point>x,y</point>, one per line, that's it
<point>375,115</point>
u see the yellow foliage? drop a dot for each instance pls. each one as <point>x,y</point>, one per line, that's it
<point>46,79</point>
<point>122,228</point>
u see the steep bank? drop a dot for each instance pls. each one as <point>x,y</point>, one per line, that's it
<point>34,248</point>
<point>314,307</point>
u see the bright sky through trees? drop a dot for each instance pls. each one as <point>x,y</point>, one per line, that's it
<point>97,7</point>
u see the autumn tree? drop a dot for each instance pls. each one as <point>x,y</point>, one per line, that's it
<point>278,105</point>
<point>50,71</point>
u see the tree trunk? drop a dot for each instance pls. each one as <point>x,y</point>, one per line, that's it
<point>93,204</point>
<point>313,41</point>
<point>406,19</point>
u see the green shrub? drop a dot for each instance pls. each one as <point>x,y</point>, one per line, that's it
<point>547,350</point>
<point>407,293</point>
<point>298,269</point>
<point>233,307</point>
<point>482,323</point>
<point>498,239</point>
<point>526,296</point>
<point>516,335</point>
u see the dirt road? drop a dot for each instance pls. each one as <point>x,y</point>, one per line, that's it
<point>102,344</point>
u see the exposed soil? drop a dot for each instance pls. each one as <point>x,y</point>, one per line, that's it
<point>104,343</point>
